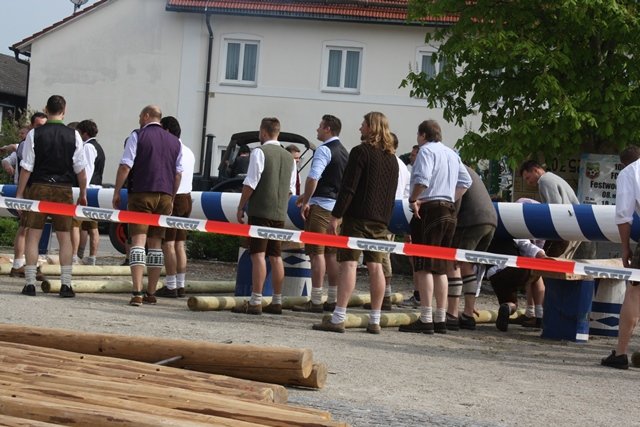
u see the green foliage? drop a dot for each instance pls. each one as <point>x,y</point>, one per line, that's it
<point>8,229</point>
<point>213,246</point>
<point>545,77</point>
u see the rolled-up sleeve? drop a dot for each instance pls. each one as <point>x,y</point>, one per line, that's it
<point>626,197</point>
<point>28,153</point>
<point>130,148</point>
<point>321,159</point>
<point>79,159</point>
<point>254,171</point>
<point>464,179</point>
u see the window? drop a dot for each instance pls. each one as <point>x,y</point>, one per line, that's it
<point>241,62</point>
<point>342,68</point>
<point>429,65</point>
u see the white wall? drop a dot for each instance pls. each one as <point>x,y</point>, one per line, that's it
<point>126,54</point>
<point>108,65</point>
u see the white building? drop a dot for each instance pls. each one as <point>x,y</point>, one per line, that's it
<point>295,60</point>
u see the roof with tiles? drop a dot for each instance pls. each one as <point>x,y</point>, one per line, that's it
<point>365,11</point>
<point>13,76</point>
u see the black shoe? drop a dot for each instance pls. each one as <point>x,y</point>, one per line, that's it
<point>165,292</point>
<point>502,322</point>
<point>440,327</point>
<point>66,292</point>
<point>467,322</point>
<point>453,323</point>
<point>329,306</point>
<point>418,327</point>
<point>29,290</point>
<point>616,361</point>
<point>125,262</point>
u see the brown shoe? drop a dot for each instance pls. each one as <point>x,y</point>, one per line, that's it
<point>373,328</point>
<point>136,300</point>
<point>17,272</point>
<point>386,304</point>
<point>273,309</point>
<point>309,307</point>
<point>326,325</point>
<point>181,292</point>
<point>39,276</point>
<point>247,308</point>
<point>531,322</point>
<point>149,299</point>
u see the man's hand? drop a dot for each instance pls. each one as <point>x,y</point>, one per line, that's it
<point>332,228</point>
<point>414,206</point>
<point>82,199</point>
<point>304,211</point>
<point>240,215</point>
<point>115,202</point>
<point>627,256</point>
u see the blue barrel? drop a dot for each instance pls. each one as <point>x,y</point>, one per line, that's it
<point>297,273</point>
<point>243,275</point>
<point>567,304</point>
<point>605,308</point>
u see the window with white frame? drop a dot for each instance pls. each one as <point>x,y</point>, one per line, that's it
<point>240,66</point>
<point>428,65</point>
<point>342,67</point>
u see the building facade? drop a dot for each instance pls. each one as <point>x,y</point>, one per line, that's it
<point>295,60</point>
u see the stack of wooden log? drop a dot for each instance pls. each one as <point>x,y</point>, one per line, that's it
<point>42,383</point>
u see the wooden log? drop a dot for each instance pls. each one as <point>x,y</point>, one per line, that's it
<point>390,320</point>
<point>207,303</point>
<point>113,394</point>
<point>140,371</point>
<point>42,366</point>
<point>85,408</point>
<point>207,286</point>
<point>90,286</point>
<point>279,363</point>
<point>9,421</point>
<point>317,378</point>
<point>124,286</point>
<point>89,270</point>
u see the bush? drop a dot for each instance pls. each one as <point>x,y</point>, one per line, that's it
<point>8,229</point>
<point>213,246</point>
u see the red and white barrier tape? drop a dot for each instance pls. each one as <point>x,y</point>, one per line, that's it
<point>244,230</point>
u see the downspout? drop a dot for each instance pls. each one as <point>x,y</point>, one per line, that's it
<point>207,85</point>
<point>16,53</point>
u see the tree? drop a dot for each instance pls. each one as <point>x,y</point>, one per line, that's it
<point>552,77</point>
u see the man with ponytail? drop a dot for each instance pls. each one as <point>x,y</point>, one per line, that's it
<point>365,204</point>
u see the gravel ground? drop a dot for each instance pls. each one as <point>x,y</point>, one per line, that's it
<point>466,378</point>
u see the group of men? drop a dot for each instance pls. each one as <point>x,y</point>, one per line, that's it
<point>54,157</point>
<point>349,193</point>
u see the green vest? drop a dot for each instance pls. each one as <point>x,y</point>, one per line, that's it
<point>271,197</point>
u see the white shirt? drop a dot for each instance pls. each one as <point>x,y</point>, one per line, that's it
<point>256,167</point>
<point>627,193</point>
<point>440,169</point>
<point>12,159</point>
<point>188,164</point>
<point>404,177</point>
<point>90,154</point>
<point>29,154</point>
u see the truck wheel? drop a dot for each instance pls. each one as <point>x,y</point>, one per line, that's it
<point>118,236</point>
